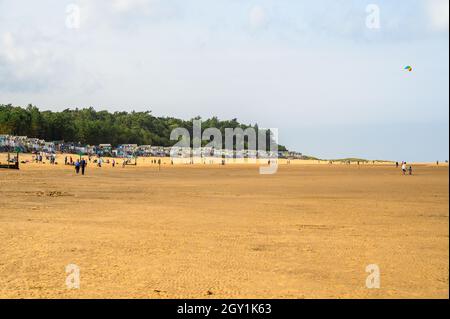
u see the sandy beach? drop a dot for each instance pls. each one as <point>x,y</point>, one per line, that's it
<point>211,231</point>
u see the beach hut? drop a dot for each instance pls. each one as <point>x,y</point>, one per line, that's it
<point>104,150</point>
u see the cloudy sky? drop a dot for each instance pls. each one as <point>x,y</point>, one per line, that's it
<point>327,73</point>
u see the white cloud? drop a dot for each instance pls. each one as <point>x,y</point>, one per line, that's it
<point>27,65</point>
<point>438,11</point>
<point>128,5</point>
<point>258,17</point>
<point>9,50</point>
<point>119,14</point>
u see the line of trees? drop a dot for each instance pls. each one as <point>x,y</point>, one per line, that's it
<point>88,126</point>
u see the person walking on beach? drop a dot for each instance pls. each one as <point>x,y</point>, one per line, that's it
<point>77,166</point>
<point>113,163</point>
<point>410,170</point>
<point>83,165</point>
<point>404,168</point>
<point>396,164</point>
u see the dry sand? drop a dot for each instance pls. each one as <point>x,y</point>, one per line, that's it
<point>203,231</point>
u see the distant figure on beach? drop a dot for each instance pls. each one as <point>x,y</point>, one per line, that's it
<point>83,165</point>
<point>410,170</point>
<point>404,168</point>
<point>396,164</point>
<point>113,163</point>
<point>437,163</point>
<point>77,166</point>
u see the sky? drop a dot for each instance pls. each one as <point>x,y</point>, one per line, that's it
<point>328,74</point>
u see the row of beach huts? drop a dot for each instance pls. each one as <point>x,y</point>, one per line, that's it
<point>24,144</point>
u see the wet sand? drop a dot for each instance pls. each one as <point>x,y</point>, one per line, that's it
<point>211,231</point>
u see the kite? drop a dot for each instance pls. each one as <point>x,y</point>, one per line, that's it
<point>408,68</point>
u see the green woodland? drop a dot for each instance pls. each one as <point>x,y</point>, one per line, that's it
<point>90,127</point>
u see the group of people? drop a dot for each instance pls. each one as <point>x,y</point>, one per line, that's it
<point>153,161</point>
<point>68,160</point>
<point>80,165</point>
<point>39,158</point>
<point>405,168</point>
